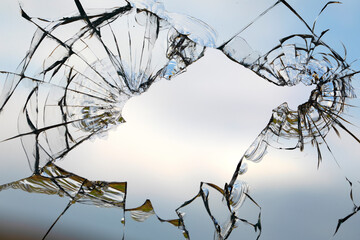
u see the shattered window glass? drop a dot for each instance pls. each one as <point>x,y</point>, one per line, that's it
<point>179,121</point>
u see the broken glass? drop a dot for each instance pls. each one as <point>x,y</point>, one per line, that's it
<point>94,60</point>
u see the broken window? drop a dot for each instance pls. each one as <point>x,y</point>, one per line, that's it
<point>94,60</point>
